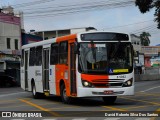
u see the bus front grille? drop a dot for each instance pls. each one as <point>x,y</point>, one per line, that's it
<point>107,83</point>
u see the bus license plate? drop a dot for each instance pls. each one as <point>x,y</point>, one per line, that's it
<point>108,92</point>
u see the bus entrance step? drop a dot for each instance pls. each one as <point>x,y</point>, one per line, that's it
<point>46,93</point>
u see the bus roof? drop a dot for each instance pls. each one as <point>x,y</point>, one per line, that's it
<point>39,43</point>
<point>63,38</point>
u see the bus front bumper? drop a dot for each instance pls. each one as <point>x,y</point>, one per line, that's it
<point>90,92</point>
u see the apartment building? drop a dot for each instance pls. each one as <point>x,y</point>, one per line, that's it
<point>10,39</point>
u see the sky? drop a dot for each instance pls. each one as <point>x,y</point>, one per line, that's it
<point>117,15</point>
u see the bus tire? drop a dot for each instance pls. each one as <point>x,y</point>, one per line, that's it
<point>35,94</point>
<point>64,97</point>
<point>109,99</point>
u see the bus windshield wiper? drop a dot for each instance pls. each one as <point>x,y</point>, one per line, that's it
<point>93,51</point>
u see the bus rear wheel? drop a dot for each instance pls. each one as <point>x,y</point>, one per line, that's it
<point>35,94</point>
<point>109,99</point>
<point>64,97</point>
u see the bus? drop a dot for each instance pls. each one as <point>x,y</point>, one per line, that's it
<point>88,64</point>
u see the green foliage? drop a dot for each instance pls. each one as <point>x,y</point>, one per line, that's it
<point>144,36</point>
<point>146,5</point>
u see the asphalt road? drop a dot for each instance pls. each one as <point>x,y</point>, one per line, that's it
<point>146,98</point>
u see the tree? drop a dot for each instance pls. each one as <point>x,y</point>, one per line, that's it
<point>144,36</point>
<point>147,5</point>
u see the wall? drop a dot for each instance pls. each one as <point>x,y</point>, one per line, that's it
<point>152,73</point>
<point>9,28</point>
<point>147,77</point>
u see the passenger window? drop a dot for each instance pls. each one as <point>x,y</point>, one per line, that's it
<point>32,57</point>
<point>63,52</point>
<point>39,56</point>
<point>54,54</point>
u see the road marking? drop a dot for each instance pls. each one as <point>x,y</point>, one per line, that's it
<point>41,108</point>
<point>150,89</point>
<point>79,119</point>
<point>128,108</point>
<point>15,106</point>
<point>157,111</point>
<point>147,94</point>
<point>64,107</point>
<point>17,119</point>
<point>49,119</point>
<point>113,108</point>
<point>11,94</point>
<point>154,103</point>
<point>7,101</point>
<point>10,101</point>
<point>142,119</point>
<point>112,118</point>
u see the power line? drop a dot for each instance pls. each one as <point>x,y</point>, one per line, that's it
<point>141,22</point>
<point>57,6</point>
<point>144,29</point>
<point>80,9</point>
<point>31,3</point>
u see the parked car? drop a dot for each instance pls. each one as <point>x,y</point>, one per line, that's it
<point>7,81</point>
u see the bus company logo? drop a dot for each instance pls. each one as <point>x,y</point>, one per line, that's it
<point>6,114</point>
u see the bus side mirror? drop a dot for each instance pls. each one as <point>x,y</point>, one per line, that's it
<point>76,48</point>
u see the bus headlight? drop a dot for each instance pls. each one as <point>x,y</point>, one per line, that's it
<point>128,83</point>
<point>86,83</point>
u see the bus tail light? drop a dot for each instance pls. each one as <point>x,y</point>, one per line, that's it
<point>128,83</point>
<point>86,83</point>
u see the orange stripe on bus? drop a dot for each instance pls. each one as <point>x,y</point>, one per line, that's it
<point>94,77</point>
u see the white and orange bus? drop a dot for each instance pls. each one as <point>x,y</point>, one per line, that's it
<point>87,64</point>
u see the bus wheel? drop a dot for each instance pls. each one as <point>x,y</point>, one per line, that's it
<point>64,97</point>
<point>109,99</point>
<point>34,93</point>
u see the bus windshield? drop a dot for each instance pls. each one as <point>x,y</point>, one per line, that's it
<point>105,58</point>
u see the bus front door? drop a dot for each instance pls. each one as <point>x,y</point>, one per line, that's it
<point>72,69</point>
<point>46,69</point>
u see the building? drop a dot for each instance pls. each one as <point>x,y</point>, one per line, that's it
<point>138,54</point>
<point>151,53</point>
<point>136,42</point>
<point>10,39</point>
<point>57,33</point>
<point>29,38</point>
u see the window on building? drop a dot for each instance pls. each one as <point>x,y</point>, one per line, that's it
<point>39,56</point>
<point>16,44</point>
<point>32,57</point>
<point>63,52</point>
<point>54,54</point>
<point>8,43</point>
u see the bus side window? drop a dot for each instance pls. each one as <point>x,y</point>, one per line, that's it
<point>63,52</point>
<point>39,56</point>
<point>54,54</point>
<point>32,56</point>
